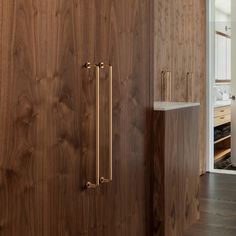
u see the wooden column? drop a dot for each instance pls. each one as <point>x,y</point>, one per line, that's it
<point>175,179</point>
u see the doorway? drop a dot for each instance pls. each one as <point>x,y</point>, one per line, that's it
<point>221,86</point>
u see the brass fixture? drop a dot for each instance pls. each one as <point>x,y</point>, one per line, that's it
<point>88,65</point>
<point>109,179</point>
<point>99,179</point>
<point>166,86</point>
<point>189,86</point>
<point>89,184</point>
<point>102,65</point>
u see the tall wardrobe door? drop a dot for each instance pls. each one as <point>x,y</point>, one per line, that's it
<point>48,117</point>
<point>178,45</point>
<point>188,69</point>
<point>123,42</point>
<point>163,37</point>
<point>200,74</point>
<point>47,107</point>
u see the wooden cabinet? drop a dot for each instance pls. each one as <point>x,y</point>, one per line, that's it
<point>222,57</point>
<point>162,42</point>
<point>222,115</point>
<point>222,133</point>
<point>180,47</point>
<point>220,120</point>
<point>221,111</point>
<point>176,171</point>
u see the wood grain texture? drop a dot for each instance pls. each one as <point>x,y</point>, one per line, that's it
<point>217,205</point>
<point>180,47</point>
<point>47,107</point>
<point>176,176</point>
<point>200,75</point>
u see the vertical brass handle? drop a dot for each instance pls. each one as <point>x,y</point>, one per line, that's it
<point>166,86</point>
<point>89,66</point>
<point>189,87</point>
<point>110,122</point>
<point>109,179</point>
<point>169,77</point>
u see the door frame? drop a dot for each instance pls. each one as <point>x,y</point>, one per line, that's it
<point>209,86</point>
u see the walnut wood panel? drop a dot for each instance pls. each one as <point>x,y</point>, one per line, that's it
<point>200,74</point>
<point>162,50</point>
<point>180,47</point>
<point>47,107</point>
<point>176,175</point>
<point>123,32</point>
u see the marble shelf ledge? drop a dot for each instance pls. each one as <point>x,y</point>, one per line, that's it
<point>167,106</point>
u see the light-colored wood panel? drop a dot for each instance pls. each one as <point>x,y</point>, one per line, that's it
<point>219,153</point>
<point>200,74</point>
<point>221,111</point>
<point>222,139</point>
<point>220,120</point>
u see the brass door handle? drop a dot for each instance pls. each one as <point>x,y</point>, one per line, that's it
<point>166,86</point>
<point>189,87</point>
<point>109,179</point>
<point>89,184</point>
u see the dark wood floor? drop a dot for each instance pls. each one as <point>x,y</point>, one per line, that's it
<point>218,206</point>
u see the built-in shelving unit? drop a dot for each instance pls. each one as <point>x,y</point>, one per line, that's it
<point>222,82</point>
<point>222,139</point>
<point>222,143</point>
<point>222,44</point>
<point>223,34</point>
<point>220,153</point>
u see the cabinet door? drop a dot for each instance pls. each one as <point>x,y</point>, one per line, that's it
<point>183,37</point>
<point>122,40</point>
<point>47,107</point>
<point>221,57</point>
<point>189,62</point>
<point>162,43</point>
<point>47,118</point>
<point>228,58</point>
<point>179,40</point>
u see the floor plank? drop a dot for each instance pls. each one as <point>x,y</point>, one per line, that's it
<point>218,207</point>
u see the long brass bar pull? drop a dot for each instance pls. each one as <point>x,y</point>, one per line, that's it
<point>189,87</point>
<point>109,179</point>
<point>90,184</point>
<point>166,86</point>
<point>110,122</point>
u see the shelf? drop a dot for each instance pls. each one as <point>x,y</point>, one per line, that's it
<point>223,34</point>
<point>222,82</point>
<point>219,153</point>
<point>222,139</point>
